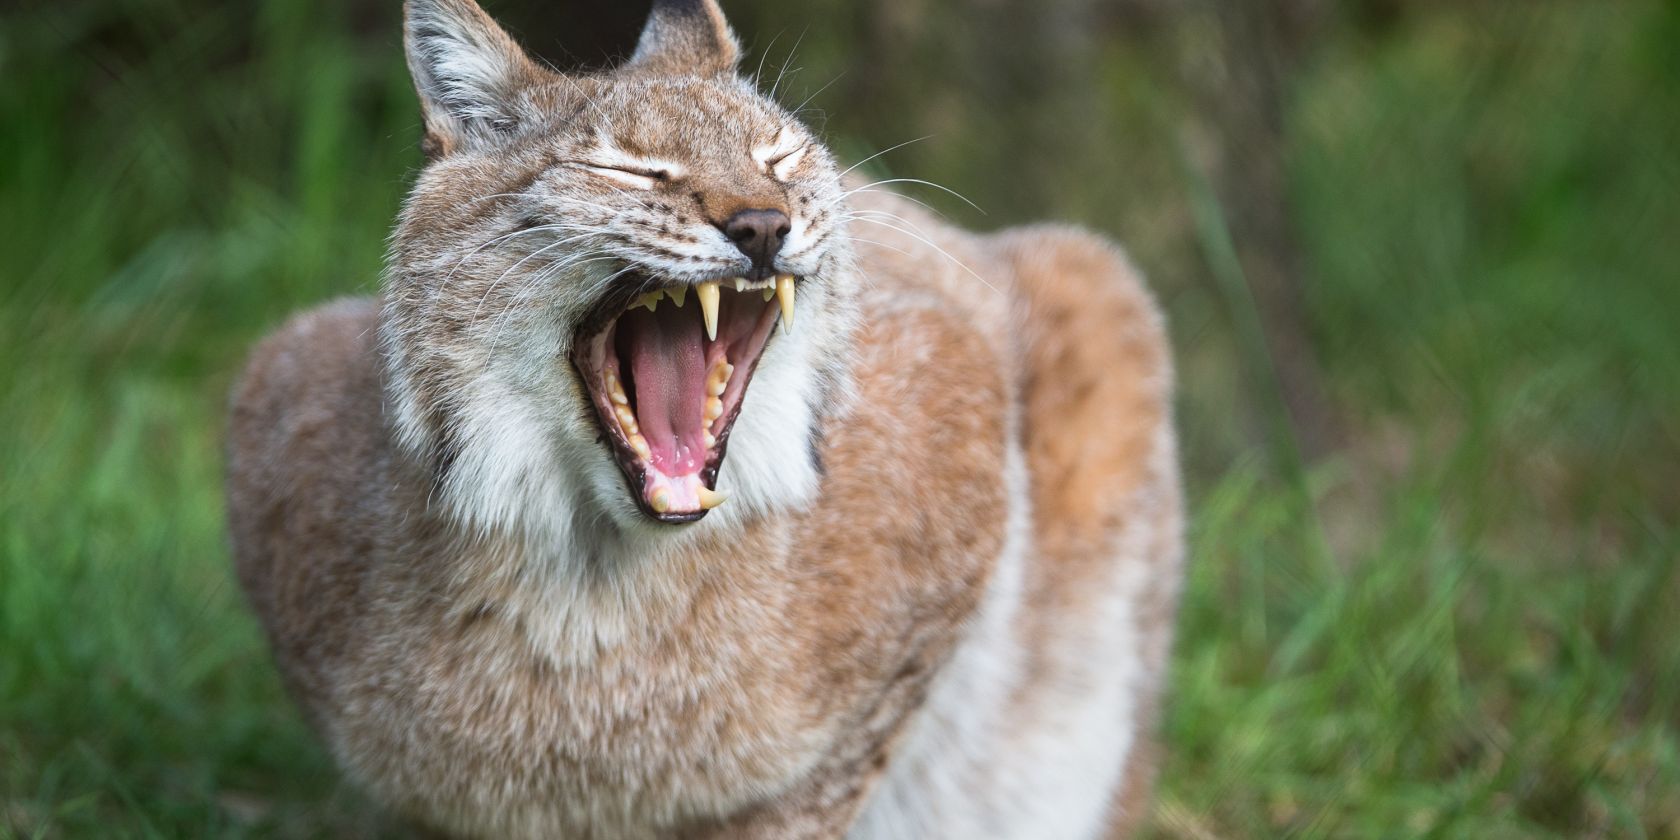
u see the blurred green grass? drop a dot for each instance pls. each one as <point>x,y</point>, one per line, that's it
<point>1461,623</point>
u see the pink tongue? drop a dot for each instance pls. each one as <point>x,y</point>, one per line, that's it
<point>668,364</point>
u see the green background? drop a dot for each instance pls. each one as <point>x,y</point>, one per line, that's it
<point>1419,259</point>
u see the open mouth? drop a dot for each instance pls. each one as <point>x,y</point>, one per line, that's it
<point>667,373</point>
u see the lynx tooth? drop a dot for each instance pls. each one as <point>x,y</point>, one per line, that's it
<point>711,498</point>
<point>784,293</point>
<point>708,296</point>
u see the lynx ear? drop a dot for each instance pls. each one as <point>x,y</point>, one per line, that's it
<point>467,71</point>
<point>686,38</point>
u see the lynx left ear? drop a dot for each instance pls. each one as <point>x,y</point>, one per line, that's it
<point>468,72</point>
<point>686,38</point>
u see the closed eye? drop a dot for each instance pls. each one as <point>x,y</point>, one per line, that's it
<point>782,165</point>
<point>635,177</point>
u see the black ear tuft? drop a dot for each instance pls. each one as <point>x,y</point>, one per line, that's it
<point>686,38</point>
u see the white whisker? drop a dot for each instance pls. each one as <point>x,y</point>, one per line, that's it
<point>849,169</point>
<point>918,181</point>
<point>928,242</point>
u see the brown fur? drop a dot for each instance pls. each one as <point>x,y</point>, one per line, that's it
<point>751,681</point>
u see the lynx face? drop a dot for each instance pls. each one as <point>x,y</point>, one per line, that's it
<point>594,272</point>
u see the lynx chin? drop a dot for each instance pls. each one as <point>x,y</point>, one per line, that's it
<point>680,484</point>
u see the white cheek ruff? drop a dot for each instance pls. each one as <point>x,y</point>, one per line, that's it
<point>529,461</point>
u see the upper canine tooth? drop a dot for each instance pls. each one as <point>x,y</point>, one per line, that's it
<point>677,295</point>
<point>784,291</point>
<point>649,300</point>
<point>707,293</point>
<point>711,498</point>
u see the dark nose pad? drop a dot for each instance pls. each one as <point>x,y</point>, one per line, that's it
<point>759,234</point>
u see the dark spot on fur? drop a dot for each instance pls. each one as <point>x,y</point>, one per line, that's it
<point>814,444</point>
<point>433,146</point>
<point>480,613</point>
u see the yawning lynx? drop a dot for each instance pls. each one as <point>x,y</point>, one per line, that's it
<point>678,485</point>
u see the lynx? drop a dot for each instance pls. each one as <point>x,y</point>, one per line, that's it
<point>680,484</point>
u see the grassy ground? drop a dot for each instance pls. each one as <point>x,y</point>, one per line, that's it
<point>1462,624</point>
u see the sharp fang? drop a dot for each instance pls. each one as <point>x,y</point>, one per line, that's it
<point>707,293</point>
<point>660,501</point>
<point>678,295</point>
<point>649,300</point>
<point>711,498</point>
<point>740,284</point>
<point>784,292</point>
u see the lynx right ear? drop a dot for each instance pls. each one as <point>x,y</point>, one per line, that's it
<point>686,38</point>
<point>468,72</point>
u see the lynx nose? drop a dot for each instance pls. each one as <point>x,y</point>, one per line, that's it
<point>758,233</point>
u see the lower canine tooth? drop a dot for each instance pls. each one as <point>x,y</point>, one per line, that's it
<point>660,501</point>
<point>711,498</point>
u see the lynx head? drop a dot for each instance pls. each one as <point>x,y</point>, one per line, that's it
<point>603,284</point>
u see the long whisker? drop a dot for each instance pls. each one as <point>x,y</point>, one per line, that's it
<point>786,61</point>
<point>759,73</point>
<point>531,285</point>
<point>849,169</point>
<point>910,198</point>
<point>931,244</point>
<point>496,240</point>
<point>851,238</point>
<point>922,182</point>
<point>808,99</point>
<point>510,269</point>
